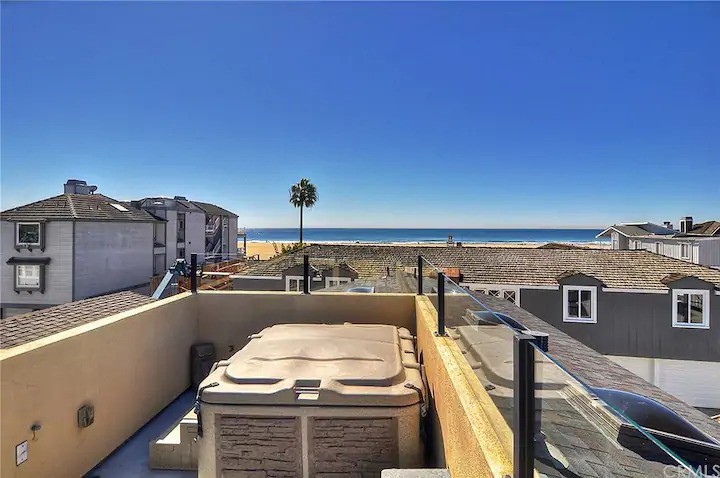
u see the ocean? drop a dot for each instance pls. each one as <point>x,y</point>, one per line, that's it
<point>423,236</point>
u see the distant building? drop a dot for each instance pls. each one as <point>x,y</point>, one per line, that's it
<point>221,231</point>
<point>69,247</point>
<point>696,243</point>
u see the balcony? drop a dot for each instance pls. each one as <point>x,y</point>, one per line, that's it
<point>133,365</point>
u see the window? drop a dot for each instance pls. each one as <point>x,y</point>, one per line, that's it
<point>580,304</point>
<point>28,234</point>
<point>333,281</point>
<point>181,253</point>
<point>509,293</point>
<point>685,250</point>
<point>294,284</point>
<point>27,276</point>
<point>659,247</point>
<point>691,308</point>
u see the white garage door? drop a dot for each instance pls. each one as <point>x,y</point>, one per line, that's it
<point>692,381</point>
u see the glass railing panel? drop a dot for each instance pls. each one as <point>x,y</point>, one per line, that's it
<point>578,434</point>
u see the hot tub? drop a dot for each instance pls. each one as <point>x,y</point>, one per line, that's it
<point>306,400</point>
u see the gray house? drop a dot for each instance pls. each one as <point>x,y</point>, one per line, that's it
<point>72,246</point>
<point>696,243</point>
<point>655,315</point>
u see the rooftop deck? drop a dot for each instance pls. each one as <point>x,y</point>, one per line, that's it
<point>132,366</point>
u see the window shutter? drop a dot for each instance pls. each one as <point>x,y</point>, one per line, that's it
<point>42,278</point>
<point>43,231</point>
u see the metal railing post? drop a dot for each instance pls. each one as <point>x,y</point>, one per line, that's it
<point>420,275</point>
<point>441,304</point>
<point>193,272</point>
<point>306,274</point>
<point>523,407</point>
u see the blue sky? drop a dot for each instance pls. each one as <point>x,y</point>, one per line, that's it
<point>403,114</point>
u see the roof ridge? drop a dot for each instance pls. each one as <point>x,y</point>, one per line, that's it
<point>71,205</point>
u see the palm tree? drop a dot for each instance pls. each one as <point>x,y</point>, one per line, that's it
<point>303,194</point>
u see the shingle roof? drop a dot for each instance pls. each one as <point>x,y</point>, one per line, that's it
<point>89,207</point>
<point>498,265</point>
<point>25,328</point>
<point>640,230</point>
<point>707,228</point>
<point>213,209</point>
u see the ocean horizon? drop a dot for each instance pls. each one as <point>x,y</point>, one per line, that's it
<point>424,236</point>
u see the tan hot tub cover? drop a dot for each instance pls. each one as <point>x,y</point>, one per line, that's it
<point>311,364</point>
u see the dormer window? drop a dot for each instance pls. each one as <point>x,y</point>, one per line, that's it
<point>580,304</point>
<point>691,308</point>
<point>28,234</point>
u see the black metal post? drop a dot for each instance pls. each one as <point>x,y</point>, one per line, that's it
<point>441,304</point>
<point>420,275</point>
<point>524,407</point>
<point>193,272</point>
<point>306,274</point>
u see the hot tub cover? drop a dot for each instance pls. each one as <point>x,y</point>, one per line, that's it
<point>312,364</point>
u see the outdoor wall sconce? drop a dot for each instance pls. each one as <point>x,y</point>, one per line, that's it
<point>35,427</point>
<point>85,416</point>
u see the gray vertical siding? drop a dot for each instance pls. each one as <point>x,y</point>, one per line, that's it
<point>633,324</point>
<point>112,255</point>
<point>58,273</point>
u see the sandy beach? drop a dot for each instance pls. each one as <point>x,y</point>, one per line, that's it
<point>266,249</point>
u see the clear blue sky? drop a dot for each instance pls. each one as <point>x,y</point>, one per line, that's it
<point>425,114</point>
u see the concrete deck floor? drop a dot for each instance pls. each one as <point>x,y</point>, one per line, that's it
<point>130,460</point>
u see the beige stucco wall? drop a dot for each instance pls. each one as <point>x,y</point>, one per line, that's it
<point>129,366</point>
<point>474,434</point>
<point>227,318</point>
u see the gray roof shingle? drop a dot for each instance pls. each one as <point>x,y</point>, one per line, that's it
<point>213,209</point>
<point>21,329</point>
<point>88,207</point>
<point>498,265</point>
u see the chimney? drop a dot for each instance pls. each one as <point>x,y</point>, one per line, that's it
<point>78,186</point>
<point>686,224</point>
<point>668,224</point>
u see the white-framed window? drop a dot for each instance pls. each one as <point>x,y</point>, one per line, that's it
<point>659,247</point>
<point>27,234</point>
<point>580,304</point>
<point>691,308</point>
<point>685,250</point>
<point>27,276</point>
<point>503,292</point>
<point>333,281</point>
<point>294,283</point>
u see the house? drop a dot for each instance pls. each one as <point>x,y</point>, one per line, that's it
<point>72,246</point>
<point>190,227</point>
<point>221,228</point>
<point>696,243</point>
<point>650,313</point>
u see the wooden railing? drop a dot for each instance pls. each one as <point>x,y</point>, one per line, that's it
<point>232,265</point>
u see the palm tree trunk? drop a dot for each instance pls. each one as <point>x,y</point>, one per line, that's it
<point>301,210</point>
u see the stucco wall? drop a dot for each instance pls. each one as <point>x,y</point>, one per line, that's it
<point>476,439</point>
<point>227,318</point>
<point>194,234</point>
<point>110,256</point>
<point>632,324</point>
<point>58,273</point>
<point>129,366</point>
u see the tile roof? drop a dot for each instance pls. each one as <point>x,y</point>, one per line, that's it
<point>21,329</point>
<point>89,207</point>
<point>213,209</point>
<point>498,265</point>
